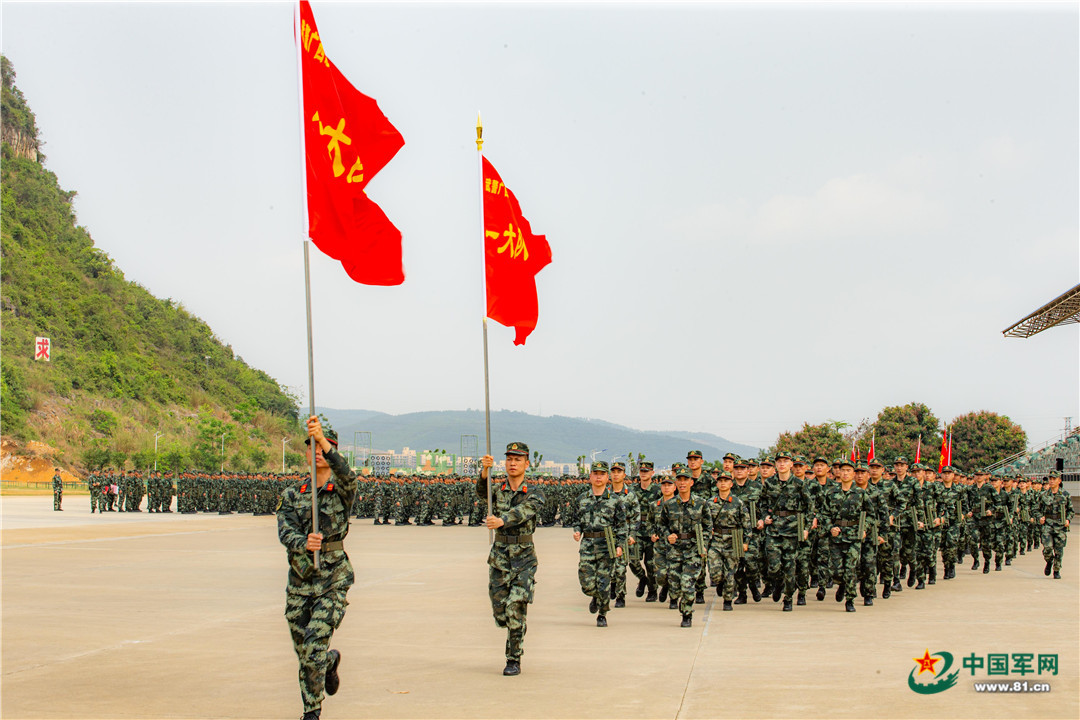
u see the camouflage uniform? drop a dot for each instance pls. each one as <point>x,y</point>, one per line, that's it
<point>632,515</point>
<point>642,555</point>
<point>787,502</point>
<point>730,519</point>
<point>600,518</point>
<point>512,559</point>
<point>847,512</point>
<point>315,600</point>
<point>689,521</point>
<point>1055,509</point>
<point>58,492</point>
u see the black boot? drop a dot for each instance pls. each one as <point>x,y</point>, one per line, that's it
<point>699,598</point>
<point>868,601</point>
<point>975,565</point>
<point>886,592</point>
<point>787,604</point>
<point>932,580</point>
<point>821,592</point>
<point>672,603</point>
<point>651,597</point>
<point>727,605</point>
<point>849,606</point>
<point>802,598</point>
<point>741,599</point>
<point>513,667</point>
<point>593,606</point>
<point>897,587</point>
<point>903,571</point>
<point>986,566</point>
<point>1049,566</point>
<point>910,576</point>
<point>755,593</point>
<point>1008,561</point>
<point>333,680</point>
<point>921,585</point>
<point>839,592</point>
<point>620,602</point>
<point>311,715</point>
<point>777,592</point>
<point>1057,574</point>
<point>640,587</point>
<point>663,593</point>
<point>997,565</point>
<point>686,621</point>
<point>601,621</point>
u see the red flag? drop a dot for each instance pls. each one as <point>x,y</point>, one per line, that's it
<point>870,455</point>
<point>854,457</point>
<point>944,460</point>
<point>347,140</point>
<point>948,460</point>
<point>918,449</point>
<point>512,257</point>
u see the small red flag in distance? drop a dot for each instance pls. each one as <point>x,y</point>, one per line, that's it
<point>347,140</point>
<point>512,257</point>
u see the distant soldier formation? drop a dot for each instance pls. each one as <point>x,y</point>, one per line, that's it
<point>195,491</point>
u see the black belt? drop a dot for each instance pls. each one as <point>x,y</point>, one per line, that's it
<point>593,535</point>
<point>332,545</point>
<point>725,531</point>
<point>684,536</point>
<point>784,513</point>
<point>514,539</point>
<point>846,523</point>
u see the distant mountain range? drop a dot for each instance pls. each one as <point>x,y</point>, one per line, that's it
<point>557,438</point>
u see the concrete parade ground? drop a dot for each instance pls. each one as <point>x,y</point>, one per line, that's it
<point>181,616</point>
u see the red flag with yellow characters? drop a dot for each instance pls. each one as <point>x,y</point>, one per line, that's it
<point>347,141</point>
<point>512,257</point>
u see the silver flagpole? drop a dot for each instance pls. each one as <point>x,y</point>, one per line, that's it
<point>483,244</point>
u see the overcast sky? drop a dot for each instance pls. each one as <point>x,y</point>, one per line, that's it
<point>758,215</point>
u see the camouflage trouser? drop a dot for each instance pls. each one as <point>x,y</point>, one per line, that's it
<point>950,543</point>
<point>312,621</point>
<point>992,540</point>
<point>753,562</point>
<point>913,544</point>
<point>722,563</point>
<point>1034,534</point>
<point>886,557</point>
<point>685,565</point>
<point>476,513</point>
<point>934,538</point>
<point>820,557</point>
<point>1012,538</point>
<point>643,564</point>
<point>618,575</point>
<point>57,499</point>
<point>783,550</point>
<point>595,569</point>
<point>868,568</point>
<point>662,560</point>
<point>1054,537</point>
<point>511,583</point>
<point>845,561</point>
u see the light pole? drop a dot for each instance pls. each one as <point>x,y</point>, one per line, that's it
<point>597,452</point>
<point>222,452</point>
<point>283,441</point>
<point>156,436</point>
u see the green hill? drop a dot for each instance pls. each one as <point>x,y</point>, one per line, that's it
<point>125,364</point>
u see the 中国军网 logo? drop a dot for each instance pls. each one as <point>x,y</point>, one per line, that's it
<point>931,673</point>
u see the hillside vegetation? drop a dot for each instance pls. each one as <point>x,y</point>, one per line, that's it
<point>125,364</point>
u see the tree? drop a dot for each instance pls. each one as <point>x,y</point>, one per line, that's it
<point>172,460</point>
<point>295,460</point>
<point>118,459</point>
<point>897,430</point>
<point>813,440</point>
<point>258,457</point>
<point>982,438</point>
<point>96,457</point>
<point>143,459</point>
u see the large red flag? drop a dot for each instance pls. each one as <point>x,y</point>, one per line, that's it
<point>347,141</point>
<point>872,454</point>
<point>512,257</point>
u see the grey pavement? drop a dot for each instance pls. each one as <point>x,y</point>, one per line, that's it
<point>180,616</point>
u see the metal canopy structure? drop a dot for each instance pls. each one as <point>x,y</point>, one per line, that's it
<point>1062,310</point>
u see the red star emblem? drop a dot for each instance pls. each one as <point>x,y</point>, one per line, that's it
<point>926,663</point>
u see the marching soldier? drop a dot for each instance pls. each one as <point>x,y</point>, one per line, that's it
<point>845,509</point>
<point>730,521</point>
<point>601,529</point>
<point>686,525</point>
<point>632,513</point>
<point>790,515</point>
<point>643,562</point>
<point>1055,515</point>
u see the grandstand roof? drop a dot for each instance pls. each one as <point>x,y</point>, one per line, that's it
<point>1062,310</point>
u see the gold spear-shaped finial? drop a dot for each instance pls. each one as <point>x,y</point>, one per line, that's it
<point>479,133</point>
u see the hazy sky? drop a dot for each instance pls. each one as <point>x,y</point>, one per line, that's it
<point>758,215</point>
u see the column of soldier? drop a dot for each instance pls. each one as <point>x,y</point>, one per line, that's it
<point>785,526</point>
<point>195,491</point>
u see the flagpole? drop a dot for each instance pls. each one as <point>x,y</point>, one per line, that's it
<point>483,243</point>
<point>307,271</point>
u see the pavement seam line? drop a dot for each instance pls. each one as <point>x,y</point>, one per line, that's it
<point>693,664</point>
<point>119,537</point>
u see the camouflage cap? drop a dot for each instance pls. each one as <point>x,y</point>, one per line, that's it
<point>900,460</point>
<point>694,454</point>
<point>620,465</point>
<point>766,461</point>
<point>862,467</point>
<point>676,465</point>
<point>799,459</point>
<point>682,472</point>
<point>646,465</point>
<point>875,461</point>
<point>739,462</point>
<point>948,469</point>
<point>517,448</point>
<point>599,466</point>
<point>751,462</point>
<point>725,476</point>
<point>1054,474</point>
<point>918,466</point>
<point>821,458</point>
<point>731,456</point>
<point>847,462</point>
<point>329,433</point>
<point>667,479</point>
<point>781,454</point>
